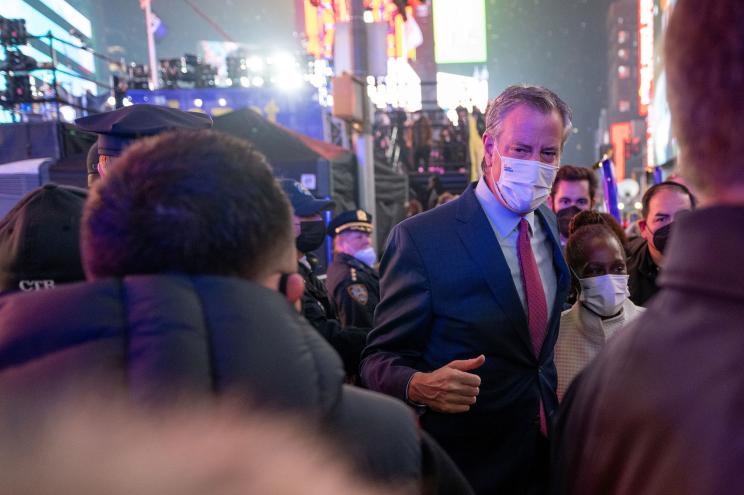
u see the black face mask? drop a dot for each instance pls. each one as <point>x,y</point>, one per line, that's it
<point>311,236</point>
<point>661,237</point>
<point>564,218</point>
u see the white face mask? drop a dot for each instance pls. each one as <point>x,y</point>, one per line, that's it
<point>523,184</point>
<point>367,256</point>
<point>605,294</point>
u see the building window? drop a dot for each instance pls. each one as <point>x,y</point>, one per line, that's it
<point>623,71</point>
<point>623,54</point>
<point>623,37</point>
<point>623,106</point>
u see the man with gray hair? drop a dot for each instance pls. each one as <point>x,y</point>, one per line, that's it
<point>471,297</point>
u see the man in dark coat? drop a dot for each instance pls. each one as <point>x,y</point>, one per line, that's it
<point>660,409</point>
<point>661,204</point>
<point>188,245</point>
<point>317,307</point>
<point>352,280</point>
<point>471,297</point>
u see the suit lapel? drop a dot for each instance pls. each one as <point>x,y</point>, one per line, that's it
<point>480,241</point>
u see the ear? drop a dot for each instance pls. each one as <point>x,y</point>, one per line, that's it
<point>488,144</point>
<point>550,203</point>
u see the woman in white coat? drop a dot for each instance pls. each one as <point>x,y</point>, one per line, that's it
<point>597,261</point>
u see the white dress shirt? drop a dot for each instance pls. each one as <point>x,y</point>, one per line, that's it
<point>505,224</point>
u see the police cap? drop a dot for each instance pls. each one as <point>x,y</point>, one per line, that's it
<point>351,220</point>
<point>118,128</point>
<point>303,202</point>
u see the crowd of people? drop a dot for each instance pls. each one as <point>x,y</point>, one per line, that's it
<point>512,339</point>
<point>425,141</point>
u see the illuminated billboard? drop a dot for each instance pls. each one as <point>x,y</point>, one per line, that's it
<point>661,145</point>
<point>459,31</point>
<point>645,55</point>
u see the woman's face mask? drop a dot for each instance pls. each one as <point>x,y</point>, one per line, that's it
<point>604,294</point>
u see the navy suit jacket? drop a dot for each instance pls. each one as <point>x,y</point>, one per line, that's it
<point>447,293</point>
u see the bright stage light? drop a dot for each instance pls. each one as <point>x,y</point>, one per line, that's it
<point>255,64</point>
<point>283,60</point>
<point>67,113</point>
<point>289,80</point>
<point>258,81</point>
<point>222,102</point>
<point>198,103</point>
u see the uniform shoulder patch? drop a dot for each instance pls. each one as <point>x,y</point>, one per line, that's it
<point>358,292</point>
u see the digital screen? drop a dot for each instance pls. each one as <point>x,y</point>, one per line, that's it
<point>663,146</point>
<point>459,31</point>
<point>37,24</point>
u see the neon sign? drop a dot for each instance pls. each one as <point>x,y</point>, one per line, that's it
<point>645,55</point>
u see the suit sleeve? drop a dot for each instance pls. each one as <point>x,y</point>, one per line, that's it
<point>402,319</point>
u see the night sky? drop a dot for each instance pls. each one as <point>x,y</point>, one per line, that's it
<point>265,24</point>
<point>560,44</point>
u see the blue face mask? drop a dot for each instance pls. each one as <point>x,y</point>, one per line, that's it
<point>367,256</point>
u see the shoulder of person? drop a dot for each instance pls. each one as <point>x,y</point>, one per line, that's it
<point>635,247</point>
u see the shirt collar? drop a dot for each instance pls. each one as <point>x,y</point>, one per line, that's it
<point>502,219</point>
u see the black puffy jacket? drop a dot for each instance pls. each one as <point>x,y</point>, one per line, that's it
<point>169,336</point>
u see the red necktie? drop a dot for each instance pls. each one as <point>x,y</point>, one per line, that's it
<point>534,293</point>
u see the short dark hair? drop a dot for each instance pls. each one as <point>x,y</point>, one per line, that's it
<point>197,202</point>
<point>666,185</point>
<point>571,173</point>
<point>591,217</point>
<point>703,49</point>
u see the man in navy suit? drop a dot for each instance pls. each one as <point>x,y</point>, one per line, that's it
<point>471,297</point>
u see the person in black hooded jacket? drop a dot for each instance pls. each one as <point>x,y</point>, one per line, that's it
<point>188,248</point>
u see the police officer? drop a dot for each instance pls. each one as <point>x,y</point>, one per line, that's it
<point>118,128</point>
<point>317,308</point>
<point>353,282</point>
